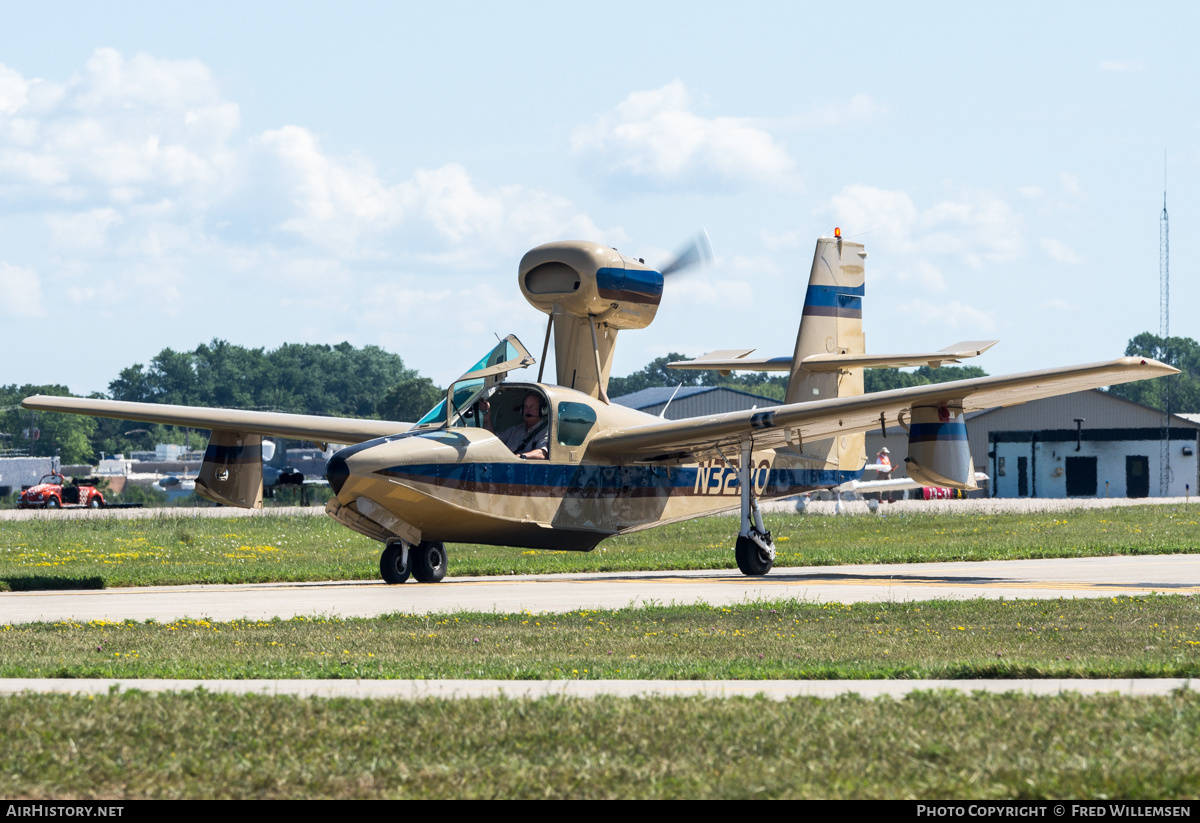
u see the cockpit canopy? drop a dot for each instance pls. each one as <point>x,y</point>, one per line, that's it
<point>481,378</point>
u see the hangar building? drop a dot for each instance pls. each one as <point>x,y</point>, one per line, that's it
<point>1038,450</point>
<point>693,401</point>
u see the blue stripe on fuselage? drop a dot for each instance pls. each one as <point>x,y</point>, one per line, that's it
<point>543,478</point>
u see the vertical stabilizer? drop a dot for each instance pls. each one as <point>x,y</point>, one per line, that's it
<point>831,323</point>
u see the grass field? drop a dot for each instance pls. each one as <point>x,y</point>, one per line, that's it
<point>1155,636</point>
<point>174,549</point>
<point>929,745</point>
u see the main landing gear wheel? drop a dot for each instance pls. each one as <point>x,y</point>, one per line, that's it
<point>428,561</point>
<point>752,560</point>
<point>755,551</point>
<point>392,566</point>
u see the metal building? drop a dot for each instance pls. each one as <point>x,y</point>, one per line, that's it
<point>693,401</point>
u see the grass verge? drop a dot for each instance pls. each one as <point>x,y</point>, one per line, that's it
<point>1154,636</point>
<point>172,549</point>
<point>927,746</point>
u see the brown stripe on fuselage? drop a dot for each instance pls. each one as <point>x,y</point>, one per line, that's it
<point>831,311</point>
<point>630,296</point>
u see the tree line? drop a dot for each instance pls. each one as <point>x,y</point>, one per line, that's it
<point>336,381</point>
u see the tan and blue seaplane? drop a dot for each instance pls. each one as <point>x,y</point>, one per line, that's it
<point>558,466</point>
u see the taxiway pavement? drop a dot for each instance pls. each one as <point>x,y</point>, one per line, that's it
<point>1045,579</point>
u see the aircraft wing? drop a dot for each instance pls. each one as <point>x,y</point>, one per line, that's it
<point>702,437</point>
<point>295,426</point>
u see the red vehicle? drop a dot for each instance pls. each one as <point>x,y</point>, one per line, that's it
<point>53,491</point>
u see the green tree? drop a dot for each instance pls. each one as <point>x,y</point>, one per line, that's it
<point>884,379</point>
<point>410,399</point>
<point>1183,389</point>
<point>336,380</point>
<point>65,435</point>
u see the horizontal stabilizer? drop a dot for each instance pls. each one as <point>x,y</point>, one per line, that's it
<point>950,354</point>
<point>736,359</point>
<point>727,360</point>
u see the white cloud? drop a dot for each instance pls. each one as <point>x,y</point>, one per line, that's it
<point>114,130</point>
<point>1057,305</point>
<point>141,158</point>
<point>655,136</point>
<point>1070,184</point>
<point>87,230</point>
<point>953,315</point>
<point>858,110</point>
<point>1121,65</point>
<point>22,290</point>
<point>975,226</point>
<point>1059,251</point>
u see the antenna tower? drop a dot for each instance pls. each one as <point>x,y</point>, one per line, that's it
<point>1164,334</point>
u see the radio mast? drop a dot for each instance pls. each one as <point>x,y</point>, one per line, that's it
<point>1164,333</point>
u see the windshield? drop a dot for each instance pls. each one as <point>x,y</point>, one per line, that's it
<point>505,356</point>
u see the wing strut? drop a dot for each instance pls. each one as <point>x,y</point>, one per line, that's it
<point>755,551</point>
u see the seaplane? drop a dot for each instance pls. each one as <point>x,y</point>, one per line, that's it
<point>558,466</point>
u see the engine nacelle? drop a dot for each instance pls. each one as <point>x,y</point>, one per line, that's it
<point>938,451</point>
<point>588,280</point>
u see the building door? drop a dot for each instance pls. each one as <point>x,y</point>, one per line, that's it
<point>1137,476</point>
<point>1022,477</point>
<point>1081,477</point>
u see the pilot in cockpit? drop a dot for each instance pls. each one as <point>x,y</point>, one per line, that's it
<point>530,438</point>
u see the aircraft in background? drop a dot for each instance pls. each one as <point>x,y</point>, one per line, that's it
<point>587,469</point>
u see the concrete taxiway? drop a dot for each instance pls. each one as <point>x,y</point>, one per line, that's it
<point>1079,577</point>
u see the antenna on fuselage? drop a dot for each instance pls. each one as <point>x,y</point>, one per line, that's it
<point>663,414</point>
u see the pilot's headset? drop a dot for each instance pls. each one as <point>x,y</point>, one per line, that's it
<point>543,410</point>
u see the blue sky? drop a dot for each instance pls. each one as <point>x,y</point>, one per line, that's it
<point>290,172</point>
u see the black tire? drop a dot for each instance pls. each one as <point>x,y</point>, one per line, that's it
<point>95,503</point>
<point>751,559</point>
<point>390,567</point>
<point>428,562</point>
<point>52,503</point>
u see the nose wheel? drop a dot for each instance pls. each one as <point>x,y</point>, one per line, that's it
<point>426,561</point>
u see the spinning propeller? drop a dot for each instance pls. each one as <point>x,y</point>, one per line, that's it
<point>696,252</point>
